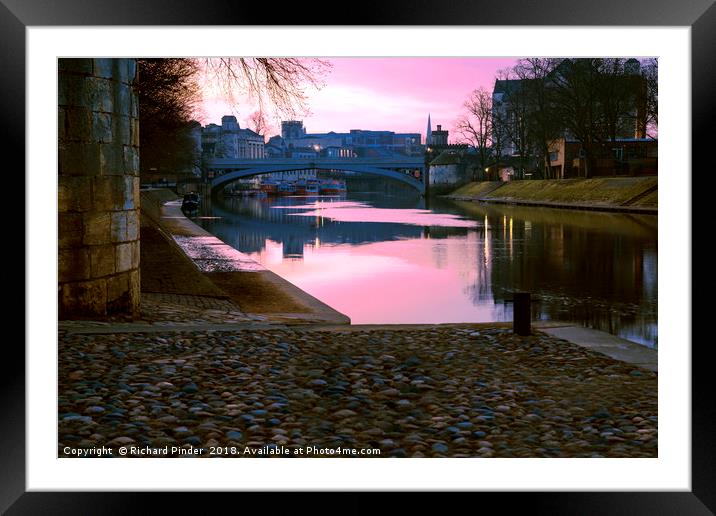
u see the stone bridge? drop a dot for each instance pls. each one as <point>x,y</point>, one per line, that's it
<point>401,169</point>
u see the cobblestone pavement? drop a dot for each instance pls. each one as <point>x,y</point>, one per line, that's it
<point>177,310</point>
<point>447,391</point>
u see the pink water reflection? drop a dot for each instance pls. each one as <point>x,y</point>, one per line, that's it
<point>348,211</point>
<point>404,281</point>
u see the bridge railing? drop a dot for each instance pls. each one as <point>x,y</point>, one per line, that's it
<point>274,161</point>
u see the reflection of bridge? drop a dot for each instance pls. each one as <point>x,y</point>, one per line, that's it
<point>247,223</point>
<point>402,168</point>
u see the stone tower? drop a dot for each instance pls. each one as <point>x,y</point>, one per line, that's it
<point>428,133</point>
<point>98,188</point>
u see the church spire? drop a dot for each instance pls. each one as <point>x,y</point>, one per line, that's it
<point>428,133</point>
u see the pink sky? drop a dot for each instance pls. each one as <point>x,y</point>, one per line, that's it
<point>393,94</point>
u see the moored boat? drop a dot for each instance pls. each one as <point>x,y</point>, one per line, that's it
<point>269,186</point>
<point>190,203</point>
<point>286,188</point>
<point>301,187</point>
<point>312,187</point>
<point>333,187</point>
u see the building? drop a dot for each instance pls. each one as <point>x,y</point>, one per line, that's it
<point>622,121</point>
<point>355,143</point>
<point>504,94</point>
<point>623,156</point>
<point>445,169</point>
<point>292,129</point>
<point>301,152</point>
<point>337,152</point>
<point>230,141</point>
<point>450,169</point>
<point>440,148</point>
<point>439,137</point>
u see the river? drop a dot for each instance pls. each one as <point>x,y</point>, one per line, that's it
<point>396,258</point>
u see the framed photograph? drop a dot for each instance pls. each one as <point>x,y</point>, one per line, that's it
<point>41,43</point>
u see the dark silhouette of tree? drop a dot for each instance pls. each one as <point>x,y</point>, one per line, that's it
<point>599,101</point>
<point>577,94</point>
<point>595,101</point>
<point>475,126</point>
<point>542,126</point>
<point>650,72</point>
<point>621,97</point>
<point>513,120</point>
<point>168,95</point>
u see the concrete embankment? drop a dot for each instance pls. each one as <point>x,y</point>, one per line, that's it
<point>620,194</point>
<point>186,260</point>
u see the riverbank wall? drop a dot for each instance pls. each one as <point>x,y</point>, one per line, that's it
<point>620,194</point>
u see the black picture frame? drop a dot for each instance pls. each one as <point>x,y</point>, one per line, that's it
<point>17,15</point>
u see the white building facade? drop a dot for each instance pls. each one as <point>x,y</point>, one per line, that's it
<point>230,141</point>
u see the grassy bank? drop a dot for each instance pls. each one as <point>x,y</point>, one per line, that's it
<point>629,193</point>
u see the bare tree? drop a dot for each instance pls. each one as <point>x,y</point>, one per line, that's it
<point>513,120</point>
<point>475,127</point>
<point>650,72</point>
<point>258,123</point>
<point>277,82</point>
<point>600,101</point>
<point>168,95</point>
<point>576,84</point>
<point>596,101</point>
<point>542,125</point>
<point>620,93</point>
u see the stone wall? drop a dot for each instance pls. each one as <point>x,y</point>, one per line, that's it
<point>98,185</point>
<point>445,175</point>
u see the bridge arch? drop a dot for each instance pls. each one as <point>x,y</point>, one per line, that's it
<point>219,182</point>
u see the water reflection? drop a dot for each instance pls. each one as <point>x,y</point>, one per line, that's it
<point>383,259</point>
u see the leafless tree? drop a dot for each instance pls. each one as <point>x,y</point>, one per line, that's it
<point>513,121</point>
<point>622,98</point>
<point>650,72</point>
<point>577,96</point>
<point>258,123</point>
<point>542,126</point>
<point>594,100</point>
<point>168,95</point>
<point>279,83</point>
<point>599,101</point>
<point>475,126</point>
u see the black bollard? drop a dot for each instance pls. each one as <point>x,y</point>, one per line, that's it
<point>522,314</point>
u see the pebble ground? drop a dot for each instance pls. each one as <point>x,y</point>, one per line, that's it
<point>447,391</point>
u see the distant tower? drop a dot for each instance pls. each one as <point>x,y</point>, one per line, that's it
<point>439,137</point>
<point>229,123</point>
<point>428,133</point>
<point>291,129</point>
